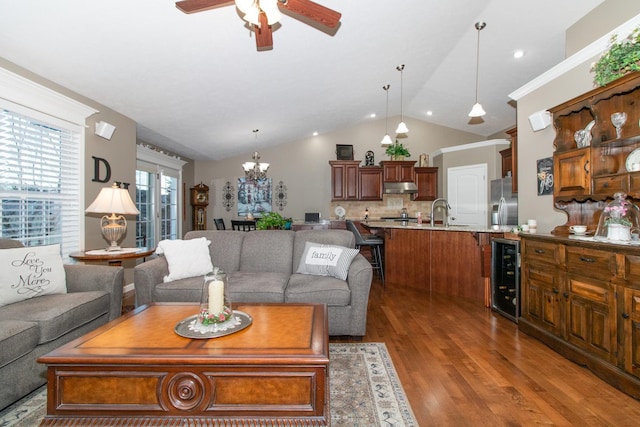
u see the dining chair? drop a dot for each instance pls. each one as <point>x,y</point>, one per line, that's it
<point>219,222</point>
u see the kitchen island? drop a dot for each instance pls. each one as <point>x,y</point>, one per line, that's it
<point>454,260</point>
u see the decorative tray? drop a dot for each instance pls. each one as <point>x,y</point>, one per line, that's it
<point>185,328</point>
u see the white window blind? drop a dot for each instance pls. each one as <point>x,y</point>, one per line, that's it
<point>39,182</point>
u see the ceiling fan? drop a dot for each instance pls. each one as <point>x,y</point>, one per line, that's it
<point>262,14</point>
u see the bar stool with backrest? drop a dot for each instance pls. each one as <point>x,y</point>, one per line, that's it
<point>219,222</point>
<point>375,243</point>
<point>243,225</point>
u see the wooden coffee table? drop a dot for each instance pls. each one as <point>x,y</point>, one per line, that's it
<point>137,371</point>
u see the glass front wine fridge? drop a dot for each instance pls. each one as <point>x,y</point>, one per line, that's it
<point>505,277</point>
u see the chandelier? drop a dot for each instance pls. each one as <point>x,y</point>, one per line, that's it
<point>255,170</point>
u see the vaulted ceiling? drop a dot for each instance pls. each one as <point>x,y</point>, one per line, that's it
<point>196,85</point>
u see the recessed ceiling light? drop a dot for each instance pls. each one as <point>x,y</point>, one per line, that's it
<point>429,113</point>
<point>518,54</point>
<point>315,134</point>
<point>372,115</point>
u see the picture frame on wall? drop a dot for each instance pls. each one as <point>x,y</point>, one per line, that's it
<point>545,176</point>
<point>344,152</point>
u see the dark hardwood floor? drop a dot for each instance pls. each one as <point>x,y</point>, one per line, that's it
<point>463,365</point>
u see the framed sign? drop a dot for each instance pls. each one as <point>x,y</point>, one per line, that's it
<point>545,176</point>
<point>344,152</point>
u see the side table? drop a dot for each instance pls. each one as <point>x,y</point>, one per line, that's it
<point>115,258</point>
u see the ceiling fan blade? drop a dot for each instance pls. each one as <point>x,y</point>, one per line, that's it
<point>318,13</point>
<point>192,6</point>
<point>264,34</point>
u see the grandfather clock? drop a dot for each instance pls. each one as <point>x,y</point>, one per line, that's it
<point>199,202</point>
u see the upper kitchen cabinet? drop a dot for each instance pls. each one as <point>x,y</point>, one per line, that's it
<point>593,160</point>
<point>511,156</point>
<point>370,183</point>
<point>398,171</point>
<point>344,179</point>
<point>427,183</point>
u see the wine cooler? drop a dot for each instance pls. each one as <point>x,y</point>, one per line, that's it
<point>505,277</point>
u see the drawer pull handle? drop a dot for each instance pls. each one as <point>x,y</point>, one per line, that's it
<point>606,185</point>
<point>539,251</point>
<point>625,315</point>
<point>565,294</point>
<point>585,259</point>
<point>556,291</point>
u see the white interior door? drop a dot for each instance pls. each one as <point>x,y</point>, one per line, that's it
<point>467,194</point>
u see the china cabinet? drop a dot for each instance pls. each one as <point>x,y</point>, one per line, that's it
<point>582,298</point>
<point>589,171</point>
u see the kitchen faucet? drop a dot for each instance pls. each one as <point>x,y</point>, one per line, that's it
<point>445,206</point>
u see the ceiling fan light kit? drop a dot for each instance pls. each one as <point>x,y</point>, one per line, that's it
<point>262,14</point>
<point>477,110</point>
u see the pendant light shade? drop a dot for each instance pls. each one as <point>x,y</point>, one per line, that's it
<point>477,110</point>
<point>402,127</point>
<point>387,139</point>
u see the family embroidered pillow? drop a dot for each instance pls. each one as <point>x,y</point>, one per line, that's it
<point>30,272</point>
<point>326,260</point>
<point>186,258</point>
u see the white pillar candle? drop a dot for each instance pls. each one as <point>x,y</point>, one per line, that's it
<point>216,296</point>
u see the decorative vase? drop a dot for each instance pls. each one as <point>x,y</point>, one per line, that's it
<point>619,232</point>
<point>398,157</point>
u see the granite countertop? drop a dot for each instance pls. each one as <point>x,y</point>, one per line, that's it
<point>426,226</point>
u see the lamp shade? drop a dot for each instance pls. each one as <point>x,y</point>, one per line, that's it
<point>113,200</point>
<point>477,110</point>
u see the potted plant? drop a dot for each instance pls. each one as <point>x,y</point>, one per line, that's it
<point>622,57</point>
<point>271,221</point>
<point>397,151</point>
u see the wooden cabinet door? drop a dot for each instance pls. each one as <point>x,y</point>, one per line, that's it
<point>631,331</point>
<point>427,182</point>
<point>507,162</point>
<point>344,180</point>
<point>398,171</point>
<point>571,173</point>
<point>370,181</point>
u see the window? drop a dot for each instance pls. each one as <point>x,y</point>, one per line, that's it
<point>158,180</point>
<point>41,159</point>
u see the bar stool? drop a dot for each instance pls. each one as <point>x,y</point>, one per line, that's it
<point>374,242</point>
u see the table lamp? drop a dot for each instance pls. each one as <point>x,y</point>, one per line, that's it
<point>117,202</point>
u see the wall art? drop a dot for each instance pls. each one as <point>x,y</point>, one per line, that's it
<point>228,196</point>
<point>254,196</point>
<point>281,195</point>
<point>545,176</point>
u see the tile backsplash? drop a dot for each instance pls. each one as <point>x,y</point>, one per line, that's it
<point>390,205</point>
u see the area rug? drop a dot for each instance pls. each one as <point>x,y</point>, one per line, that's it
<point>364,386</point>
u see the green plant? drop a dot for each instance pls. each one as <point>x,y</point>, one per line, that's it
<point>621,58</point>
<point>271,220</point>
<point>397,149</point>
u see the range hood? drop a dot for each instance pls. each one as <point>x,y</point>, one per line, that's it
<point>400,188</point>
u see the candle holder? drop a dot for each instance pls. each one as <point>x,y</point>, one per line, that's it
<point>215,304</point>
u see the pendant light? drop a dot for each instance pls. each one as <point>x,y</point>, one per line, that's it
<point>477,110</point>
<point>255,170</point>
<point>402,128</point>
<point>387,139</point>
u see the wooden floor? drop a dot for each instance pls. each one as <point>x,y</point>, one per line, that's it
<point>463,365</point>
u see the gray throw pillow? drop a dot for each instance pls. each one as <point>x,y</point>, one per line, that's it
<point>326,260</point>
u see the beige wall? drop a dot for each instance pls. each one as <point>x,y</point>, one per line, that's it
<point>537,145</point>
<point>303,166</point>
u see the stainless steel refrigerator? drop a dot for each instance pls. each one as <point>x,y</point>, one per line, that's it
<point>504,203</point>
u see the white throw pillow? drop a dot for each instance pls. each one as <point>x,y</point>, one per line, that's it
<point>326,260</point>
<point>30,272</point>
<point>186,258</point>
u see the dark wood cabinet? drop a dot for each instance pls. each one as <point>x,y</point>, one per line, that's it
<point>594,170</point>
<point>344,179</point>
<point>582,299</point>
<point>370,183</point>
<point>426,179</point>
<point>398,170</point>
<point>507,162</point>
<point>513,133</point>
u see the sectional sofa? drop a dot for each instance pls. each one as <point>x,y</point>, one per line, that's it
<point>262,266</point>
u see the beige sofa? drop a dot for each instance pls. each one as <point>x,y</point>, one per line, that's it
<point>261,267</point>
<point>36,326</point>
